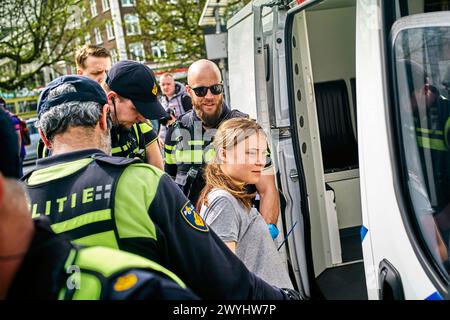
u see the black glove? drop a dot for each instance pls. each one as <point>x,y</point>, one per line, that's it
<point>170,114</point>
<point>291,294</point>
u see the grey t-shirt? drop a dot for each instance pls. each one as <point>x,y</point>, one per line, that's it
<point>231,221</point>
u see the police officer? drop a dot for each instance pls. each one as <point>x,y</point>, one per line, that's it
<point>187,144</point>
<point>132,135</point>
<point>122,203</point>
<point>431,115</point>
<point>132,92</point>
<point>35,263</point>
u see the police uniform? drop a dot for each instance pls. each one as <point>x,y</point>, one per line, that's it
<point>132,143</point>
<point>128,143</point>
<point>121,203</point>
<point>54,268</point>
<point>186,156</point>
<point>433,141</point>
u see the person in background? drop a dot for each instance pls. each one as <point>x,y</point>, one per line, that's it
<point>423,108</point>
<point>226,203</point>
<point>93,62</point>
<point>16,123</point>
<point>174,99</point>
<point>9,161</point>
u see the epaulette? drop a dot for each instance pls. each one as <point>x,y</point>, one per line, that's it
<point>115,161</point>
<point>236,114</point>
<point>187,119</point>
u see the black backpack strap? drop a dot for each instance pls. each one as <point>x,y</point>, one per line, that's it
<point>186,102</point>
<point>26,176</point>
<point>115,161</point>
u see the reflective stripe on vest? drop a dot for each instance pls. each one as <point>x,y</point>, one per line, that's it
<point>145,126</point>
<point>431,139</point>
<point>80,205</point>
<point>138,149</point>
<point>96,262</point>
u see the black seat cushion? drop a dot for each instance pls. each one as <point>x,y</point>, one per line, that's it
<point>339,147</point>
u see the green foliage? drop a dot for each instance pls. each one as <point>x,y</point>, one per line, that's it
<point>35,34</point>
<point>173,26</point>
<point>233,6</point>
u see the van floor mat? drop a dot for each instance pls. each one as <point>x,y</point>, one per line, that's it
<point>346,282</point>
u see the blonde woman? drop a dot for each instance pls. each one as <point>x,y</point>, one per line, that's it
<point>225,202</point>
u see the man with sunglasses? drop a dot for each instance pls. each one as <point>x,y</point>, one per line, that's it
<point>187,144</point>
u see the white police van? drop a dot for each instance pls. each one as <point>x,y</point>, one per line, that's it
<point>353,95</point>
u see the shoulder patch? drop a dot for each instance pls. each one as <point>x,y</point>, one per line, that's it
<point>193,218</point>
<point>124,283</point>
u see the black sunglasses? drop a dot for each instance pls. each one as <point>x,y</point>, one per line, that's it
<point>202,91</point>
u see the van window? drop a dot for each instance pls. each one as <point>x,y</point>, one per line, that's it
<point>421,59</point>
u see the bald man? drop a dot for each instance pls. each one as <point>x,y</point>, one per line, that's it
<point>187,143</point>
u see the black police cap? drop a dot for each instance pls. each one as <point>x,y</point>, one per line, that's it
<point>137,82</point>
<point>86,90</point>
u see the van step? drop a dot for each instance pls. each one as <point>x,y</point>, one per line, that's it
<point>346,282</point>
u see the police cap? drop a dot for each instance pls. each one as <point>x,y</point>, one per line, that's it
<point>86,90</point>
<point>137,82</point>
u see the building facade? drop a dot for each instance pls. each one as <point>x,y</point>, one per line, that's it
<point>120,32</point>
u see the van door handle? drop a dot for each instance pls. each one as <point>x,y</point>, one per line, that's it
<point>390,282</point>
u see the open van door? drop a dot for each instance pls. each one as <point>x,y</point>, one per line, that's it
<point>354,97</point>
<point>402,83</point>
<point>321,72</point>
<point>368,87</point>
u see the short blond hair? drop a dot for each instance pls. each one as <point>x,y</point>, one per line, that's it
<point>90,50</point>
<point>167,74</point>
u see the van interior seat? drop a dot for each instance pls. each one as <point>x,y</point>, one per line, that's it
<point>355,110</point>
<point>339,146</point>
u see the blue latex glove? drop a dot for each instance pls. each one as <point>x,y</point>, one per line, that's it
<point>273,230</point>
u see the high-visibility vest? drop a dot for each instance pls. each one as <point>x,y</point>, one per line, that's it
<point>81,205</point>
<point>93,269</point>
<point>134,145</point>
